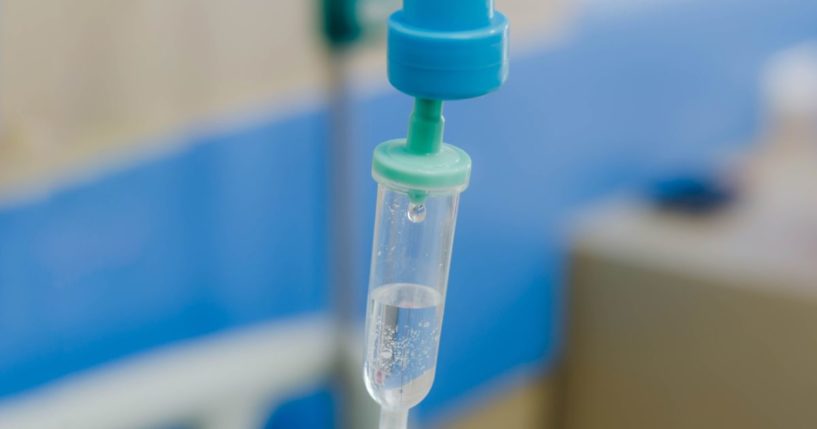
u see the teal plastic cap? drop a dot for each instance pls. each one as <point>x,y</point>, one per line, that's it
<point>394,164</point>
<point>447,49</point>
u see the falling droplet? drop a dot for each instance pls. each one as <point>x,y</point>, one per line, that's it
<point>416,212</point>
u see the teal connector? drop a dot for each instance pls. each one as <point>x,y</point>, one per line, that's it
<point>425,134</point>
<point>422,163</point>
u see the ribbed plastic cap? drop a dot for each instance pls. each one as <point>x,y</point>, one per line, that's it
<point>447,49</point>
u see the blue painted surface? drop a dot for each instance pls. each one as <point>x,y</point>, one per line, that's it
<point>228,233</point>
<point>215,237</point>
<point>310,411</point>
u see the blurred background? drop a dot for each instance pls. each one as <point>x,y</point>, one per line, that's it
<point>186,210</point>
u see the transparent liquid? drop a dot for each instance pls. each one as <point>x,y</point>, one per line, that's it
<point>402,338</point>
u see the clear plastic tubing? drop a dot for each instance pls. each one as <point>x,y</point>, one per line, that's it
<point>410,260</point>
<point>420,179</point>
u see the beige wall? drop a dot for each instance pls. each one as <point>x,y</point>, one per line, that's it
<point>692,322</point>
<point>86,77</point>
